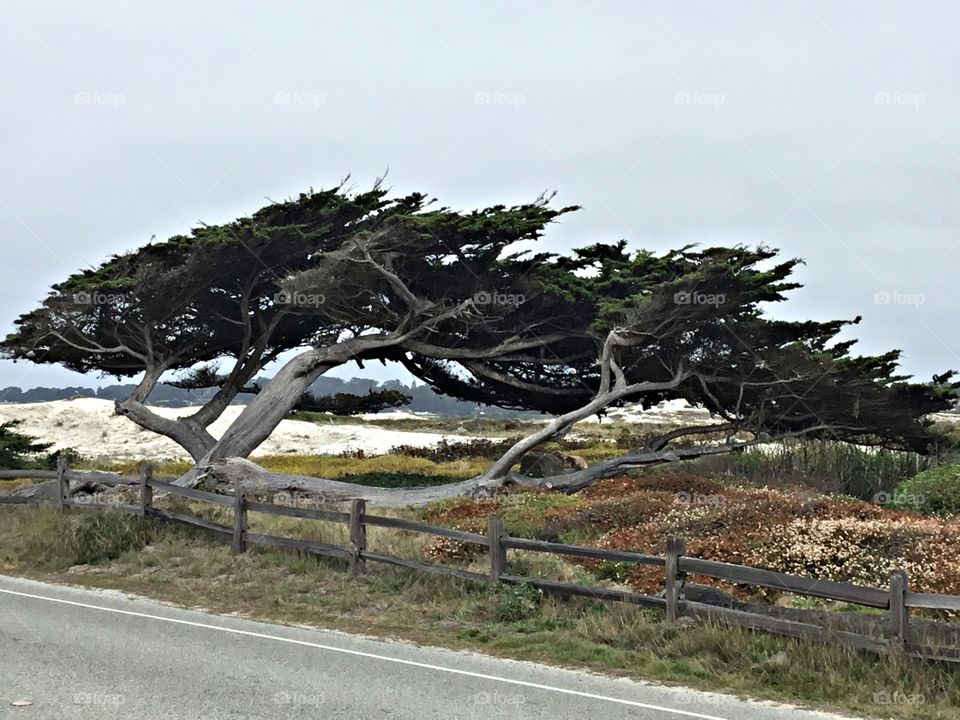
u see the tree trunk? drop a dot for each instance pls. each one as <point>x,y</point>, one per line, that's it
<point>188,434</point>
<point>274,402</point>
<point>237,471</point>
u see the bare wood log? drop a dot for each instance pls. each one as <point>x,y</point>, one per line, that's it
<point>146,491</point>
<point>498,553</point>
<point>236,471</point>
<point>358,535</point>
<point>215,498</point>
<point>101,477</point>
<point>674,579</point>
<point>240,521</point>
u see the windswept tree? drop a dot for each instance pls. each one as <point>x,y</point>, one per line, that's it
<point>340,277</point>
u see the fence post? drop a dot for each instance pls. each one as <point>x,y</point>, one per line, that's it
<point>239,520</point>
<point>498,553</point>
<point>358,535</point>
<point>146,490</point>
<point>899,612</point>
<point>63,485</point>
<point>674,578</point>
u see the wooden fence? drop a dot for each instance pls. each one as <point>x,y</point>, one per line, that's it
<point>901,636</point>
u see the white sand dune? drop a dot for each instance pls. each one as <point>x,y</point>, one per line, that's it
<point>90,426</point>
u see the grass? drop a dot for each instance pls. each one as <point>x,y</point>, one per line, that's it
<point>192,568</point>
<point>328,466</point>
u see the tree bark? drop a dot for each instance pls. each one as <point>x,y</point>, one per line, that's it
<point>188,434</point>
<point>237,471</point>
<point>562,424</point>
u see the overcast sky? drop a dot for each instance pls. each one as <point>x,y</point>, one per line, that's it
<point>830,130</point>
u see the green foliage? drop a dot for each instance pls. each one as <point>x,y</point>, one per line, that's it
<point>935,491</point>
<point>349,404</point>
<point>16,448</point>
<point>396,479</point>
<point>447,450</point>
<point>517,602</point>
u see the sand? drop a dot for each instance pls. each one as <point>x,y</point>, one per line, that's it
<point>90,427</point>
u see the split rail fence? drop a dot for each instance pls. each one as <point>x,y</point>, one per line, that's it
<point>900,636</point>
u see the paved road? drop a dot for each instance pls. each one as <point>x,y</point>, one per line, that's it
<point>77,653</point>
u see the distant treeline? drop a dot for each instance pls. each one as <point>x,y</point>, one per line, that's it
<point>424,399</point>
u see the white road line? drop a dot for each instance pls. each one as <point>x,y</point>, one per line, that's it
<point>373,656</point>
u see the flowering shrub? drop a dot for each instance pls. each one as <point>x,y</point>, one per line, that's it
<point>864,552</point>
<point>789,530</point>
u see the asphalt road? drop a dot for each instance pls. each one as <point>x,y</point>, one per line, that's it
<point>75,653</point>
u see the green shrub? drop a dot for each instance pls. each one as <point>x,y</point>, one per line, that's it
<point>16,449</point>
<point>517,602</point>
<point>447,450</point>
<point>935,491</point>
<point>396,479</point>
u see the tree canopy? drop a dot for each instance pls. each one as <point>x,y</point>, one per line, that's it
<point>341,276</point>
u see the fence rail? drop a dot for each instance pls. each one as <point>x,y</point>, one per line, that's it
<point>901,636</point>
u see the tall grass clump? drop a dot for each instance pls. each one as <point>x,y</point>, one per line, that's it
<point>858,471</point>
<point>58,541</point>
